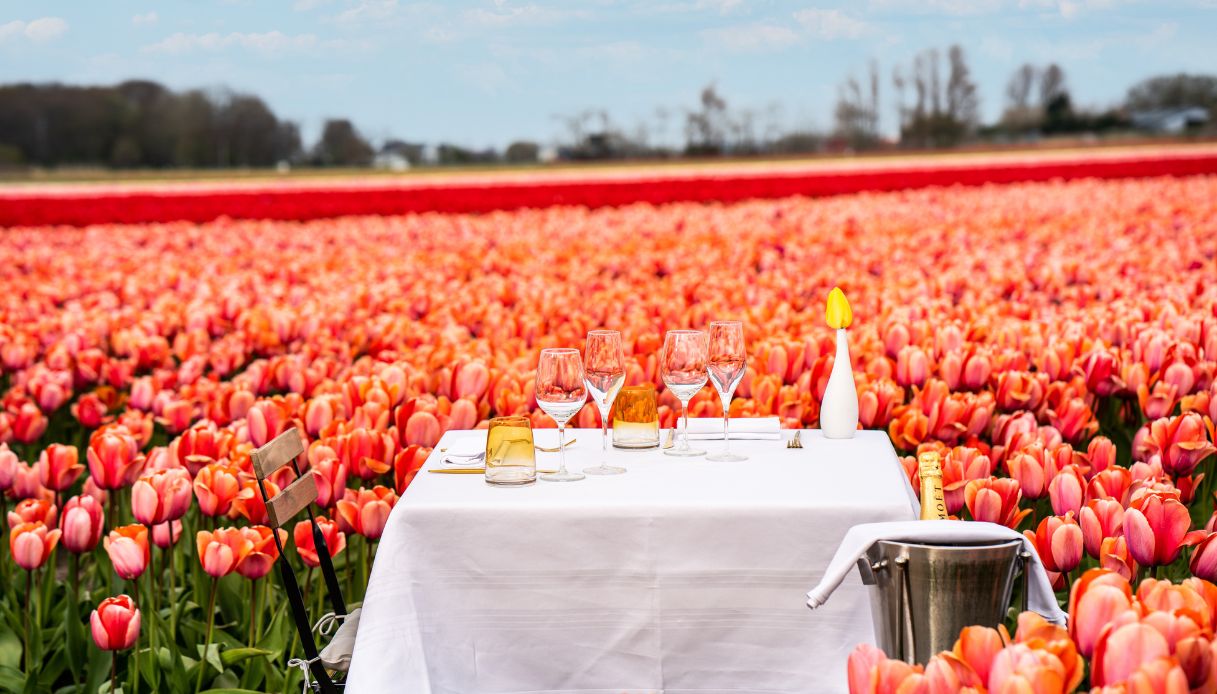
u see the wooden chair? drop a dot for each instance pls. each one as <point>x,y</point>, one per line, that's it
<point>281,509</point>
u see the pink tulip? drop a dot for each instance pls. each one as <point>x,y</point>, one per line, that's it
<point>81,524</point>
<point>9,462</point>
<point>128,550</point>
<point>995,501</point>
<point>912,366</point>
<point>1156,528</point>
<point>423,429</point>
<point>161,496</point>
<point>1101,453</point>
<point>331,475</point>
<point>262,553</point>
<point>115,624</point>
<point>1122,650</point>
<point>366,511</point>
<point>1058,540</point>
<point>1067,491</point>
<point>166,535</point>
<point>221,551</point>
<point>1100,519</point>
<point>29,423</point>
<point>31,544</point>
<point>302,536</point>
<point>1097,598</point>
<point>1180,443</point>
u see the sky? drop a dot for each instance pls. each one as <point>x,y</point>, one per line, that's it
<point>484,74</point>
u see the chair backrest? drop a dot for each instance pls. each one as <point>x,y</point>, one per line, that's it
<point>281,509</point>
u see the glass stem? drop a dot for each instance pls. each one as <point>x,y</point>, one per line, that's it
<point>684,423</point>
<point>562,448</point>
<point>726,420</point>
<point>603,437</point>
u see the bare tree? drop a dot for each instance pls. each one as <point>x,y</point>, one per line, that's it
<point>1052,85</point>
<point>1018,89</point>
<point>706,129</point>
<point>962,100</point>
<point>857,110</point>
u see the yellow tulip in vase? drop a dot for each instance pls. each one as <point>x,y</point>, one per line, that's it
<point>839,410</point>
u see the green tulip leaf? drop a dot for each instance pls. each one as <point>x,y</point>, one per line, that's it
<point>233,656</point>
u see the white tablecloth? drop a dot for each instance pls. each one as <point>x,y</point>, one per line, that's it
<point>682,575</point>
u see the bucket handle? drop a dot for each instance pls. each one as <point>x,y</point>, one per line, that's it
<point>905,600</point>
<point>1024,560</point>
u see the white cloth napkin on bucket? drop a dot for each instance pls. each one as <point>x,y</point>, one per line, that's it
<point>861,537</point>
<point>741,428</point>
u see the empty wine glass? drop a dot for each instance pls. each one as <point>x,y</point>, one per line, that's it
<point>604,371</point>
<point>561,392</point>
<point>728,358</point>
<point>683,367</point>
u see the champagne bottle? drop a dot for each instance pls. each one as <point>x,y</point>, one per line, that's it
<point>933,502</point>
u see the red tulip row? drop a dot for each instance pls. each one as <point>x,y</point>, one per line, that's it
<point>134,204</point>
<point>1057,342</point>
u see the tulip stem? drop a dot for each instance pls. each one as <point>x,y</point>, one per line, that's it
<point>29,581</point>
<point>253,612</point>
<point>172,588</point>
<point>113,669</point>
<point>211,618</point>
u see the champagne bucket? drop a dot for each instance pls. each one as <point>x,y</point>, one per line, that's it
<point>922,595</point>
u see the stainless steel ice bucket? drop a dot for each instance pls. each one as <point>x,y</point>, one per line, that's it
<point>922,595</point>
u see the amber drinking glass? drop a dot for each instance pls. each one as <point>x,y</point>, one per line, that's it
<point>635,418</point>
<point>510,460</point>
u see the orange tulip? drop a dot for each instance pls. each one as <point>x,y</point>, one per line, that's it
<point>1040,634</point>
<point>59,466</point>
<point>33,511</point>
<point>216,486</point>
<point>115,624</point>
<point>1197,659</point>
<point>1156,528</point>
<point>222,550</point>
<point>1164,596</point>
<point>128,550</point>
<point>302,535</point>
<point>961,465</point>
<point>81,524</point>
<point>1113,555</point>
<point>266,420</point>
<point>114,457</point>
<point>202,443</point>
<point>262,554</point>
<point>161,496</point>
<point>248,503</point>
<point>31,544</point>
<point>978,646</point>
<point>995,500</point>
<point>366,511</point>
<point>367,453</point>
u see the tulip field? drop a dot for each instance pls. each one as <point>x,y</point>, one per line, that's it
<point>1056,341</point>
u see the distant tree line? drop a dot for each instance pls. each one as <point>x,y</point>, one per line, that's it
<point>936,103</point>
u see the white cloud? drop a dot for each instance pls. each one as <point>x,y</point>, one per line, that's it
<point>146,18</point>
<point>38,30</point>
<point>504,14</point>
<point>753,37</point>
<point>267,43</point>
<point>307,5</point>
<point>367,11</point>
<point>488,77</point>
<point>831,24</point>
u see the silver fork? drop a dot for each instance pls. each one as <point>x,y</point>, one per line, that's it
<point>796,441</point>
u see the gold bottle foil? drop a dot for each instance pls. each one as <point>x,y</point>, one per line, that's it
<point>933,502</point>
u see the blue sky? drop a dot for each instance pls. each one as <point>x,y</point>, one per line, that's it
<point>484,73</point>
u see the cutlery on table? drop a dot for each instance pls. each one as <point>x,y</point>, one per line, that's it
<point>457,459</point>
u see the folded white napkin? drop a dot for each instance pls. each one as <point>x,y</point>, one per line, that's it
<point>861,537</point>
<point>711,428</point>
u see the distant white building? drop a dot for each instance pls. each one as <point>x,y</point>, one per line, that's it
<point>1170,120</point>
<point>391,161</point>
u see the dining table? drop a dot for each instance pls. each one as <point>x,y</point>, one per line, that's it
<point>681,575</point>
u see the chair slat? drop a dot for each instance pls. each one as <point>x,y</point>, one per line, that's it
<point>292,500</point>
<point>280,451</point>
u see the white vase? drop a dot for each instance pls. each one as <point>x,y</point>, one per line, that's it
<point>839,411</point>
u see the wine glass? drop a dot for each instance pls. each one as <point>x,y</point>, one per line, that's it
<point>683,367</point>
<point>726,367</point>
<point>561,392</point>
<point>604,372</point>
